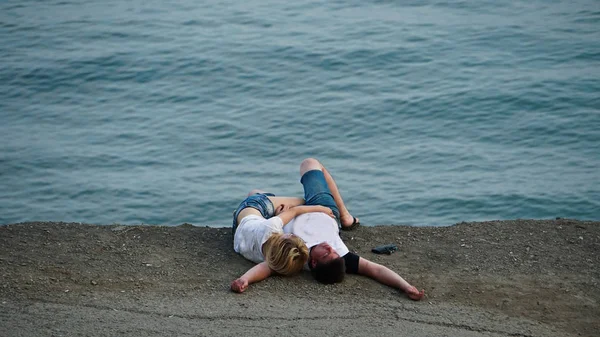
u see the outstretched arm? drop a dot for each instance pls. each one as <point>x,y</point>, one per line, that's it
<point>388,277</point>
<point>255,274</point>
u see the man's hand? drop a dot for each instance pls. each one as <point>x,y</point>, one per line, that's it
<point>414,293</point>
<point>240,285</point>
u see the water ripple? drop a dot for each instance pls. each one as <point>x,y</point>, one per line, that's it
<point>427,112</point>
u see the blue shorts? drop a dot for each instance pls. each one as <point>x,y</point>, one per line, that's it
<point>316,191</point>
<point>258,201</point>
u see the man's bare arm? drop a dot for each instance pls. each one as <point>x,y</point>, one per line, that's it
<point>388,277</point>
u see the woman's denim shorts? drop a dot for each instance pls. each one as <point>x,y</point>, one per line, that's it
<point>259,201</point>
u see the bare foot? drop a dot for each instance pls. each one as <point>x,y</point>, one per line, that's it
<point>414,294</point>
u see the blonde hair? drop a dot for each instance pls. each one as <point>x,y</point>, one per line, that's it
<point>285,255</point>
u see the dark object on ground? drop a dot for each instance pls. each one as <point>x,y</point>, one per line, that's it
<point>385,249</point>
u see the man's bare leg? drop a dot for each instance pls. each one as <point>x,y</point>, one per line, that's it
<point>310,164</point>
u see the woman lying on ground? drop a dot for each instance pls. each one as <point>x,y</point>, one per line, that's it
<point>258,236</point>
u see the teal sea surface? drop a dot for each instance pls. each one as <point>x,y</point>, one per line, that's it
<point>426,112</point>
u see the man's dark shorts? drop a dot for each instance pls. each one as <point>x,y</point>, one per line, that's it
<point>316,191</point>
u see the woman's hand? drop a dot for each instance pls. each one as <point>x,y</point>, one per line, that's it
<point>282,208</point>
<point>293,212</point>
<point>324,209</point>
<point>240,285</point>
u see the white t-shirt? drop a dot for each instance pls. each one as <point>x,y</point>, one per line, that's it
<point>315,228</point>
<point>252,232</point>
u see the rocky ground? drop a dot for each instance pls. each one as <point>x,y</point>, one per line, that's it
<point>499,278</point>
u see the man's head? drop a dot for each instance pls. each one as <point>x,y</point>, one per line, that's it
<point>285,253</point>
<point>325,264</point>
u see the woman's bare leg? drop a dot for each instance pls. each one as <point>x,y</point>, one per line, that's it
<point>310,164</point>
<point>280,204</point>
<point>256,191</point>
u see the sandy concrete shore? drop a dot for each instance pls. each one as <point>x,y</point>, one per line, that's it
<point>500,278</point>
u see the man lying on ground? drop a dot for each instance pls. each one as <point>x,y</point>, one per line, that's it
<point>329,258</point>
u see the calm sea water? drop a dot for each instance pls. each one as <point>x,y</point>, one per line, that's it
<point>426,112</point>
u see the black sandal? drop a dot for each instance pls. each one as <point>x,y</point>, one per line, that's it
<point>352,227</point>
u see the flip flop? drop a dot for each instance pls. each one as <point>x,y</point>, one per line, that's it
<point>353,226</point>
